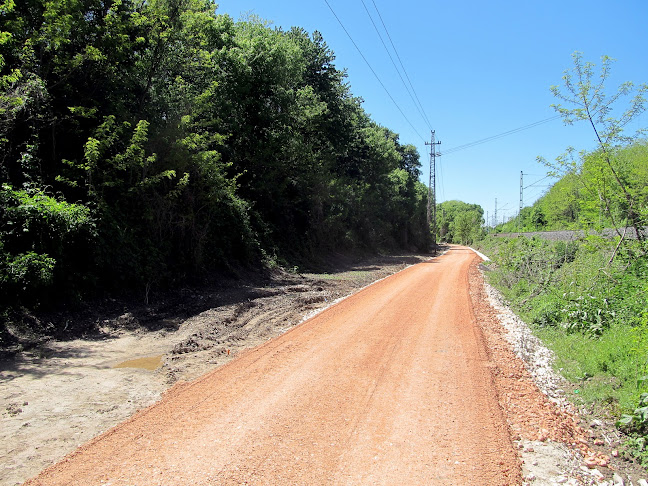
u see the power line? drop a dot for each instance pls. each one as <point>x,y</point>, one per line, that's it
<point>372,70</point>
<point>546,177</point>
<point>418,106</point>
<point>536,191</point>
<point>391,58</point>
<point>534,195</point>
<point>495,137</point>
<point>401,63</point>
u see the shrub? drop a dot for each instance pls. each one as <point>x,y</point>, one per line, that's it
<point>45,242</point>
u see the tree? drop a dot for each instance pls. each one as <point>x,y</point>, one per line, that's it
<point>561,205</point>
<point>459,222</point>
<point>179,142</point>
<point>587,101</point>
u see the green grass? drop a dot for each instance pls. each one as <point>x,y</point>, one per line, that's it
<point>603,369</point>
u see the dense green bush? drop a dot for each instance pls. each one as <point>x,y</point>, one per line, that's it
<point>44,242</point>
<point>567,284</point>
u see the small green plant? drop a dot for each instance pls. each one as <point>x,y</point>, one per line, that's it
<point>638,420</point>
<point>590,314</point>
<point>564,253</point>
<point>636,424</point>
<point>270,260</point>
<point>28,271</point>
<point>636,446</point>
<point>547,312</point>
<point>44,242</point>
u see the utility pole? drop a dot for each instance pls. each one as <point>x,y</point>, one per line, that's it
<point>495,217</point>
<point>521,200</point>
<point>431,206</point>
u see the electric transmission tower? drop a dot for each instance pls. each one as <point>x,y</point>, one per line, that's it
<point>431,202</point>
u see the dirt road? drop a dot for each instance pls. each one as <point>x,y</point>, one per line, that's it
<point>390,386</point>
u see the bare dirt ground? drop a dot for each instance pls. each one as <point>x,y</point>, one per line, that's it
<point>61,394</point>
<point>392,385</point>
<point>366,393</point>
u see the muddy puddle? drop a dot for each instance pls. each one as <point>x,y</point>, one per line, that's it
<point>147,363</point>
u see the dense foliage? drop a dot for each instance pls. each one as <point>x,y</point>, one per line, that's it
<point>460,222</point>
<point>144,142</point>
<point>586,198</point>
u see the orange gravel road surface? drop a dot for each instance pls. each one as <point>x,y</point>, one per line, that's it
<point>390,386</point>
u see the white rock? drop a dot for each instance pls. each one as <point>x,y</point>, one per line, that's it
<point>618,480</point>
<point>596,473</point>
<point>530,349</point>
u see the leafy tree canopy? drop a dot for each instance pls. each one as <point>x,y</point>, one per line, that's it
<point>147,142</point>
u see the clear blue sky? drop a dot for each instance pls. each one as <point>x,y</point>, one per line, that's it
<point>479,69</point>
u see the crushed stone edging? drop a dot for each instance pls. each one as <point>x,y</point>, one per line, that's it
<point>539,360</point>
